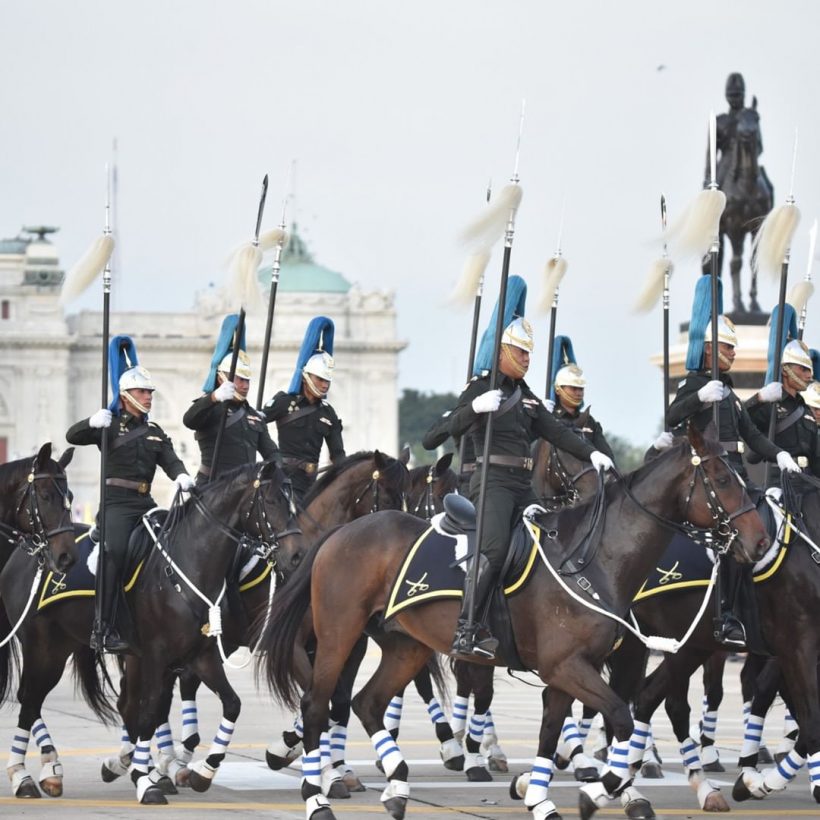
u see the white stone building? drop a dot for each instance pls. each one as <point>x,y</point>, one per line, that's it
<point>50,358</point>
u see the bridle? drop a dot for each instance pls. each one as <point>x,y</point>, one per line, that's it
<point>426,505</point>
<point>373,485</point>
<point>35,540</point>
<point>569,494</point>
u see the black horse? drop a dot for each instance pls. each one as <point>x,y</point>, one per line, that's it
<point>176,599</point>
<point>634,520</point>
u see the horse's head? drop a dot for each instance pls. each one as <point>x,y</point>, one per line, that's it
<point>380,483</point>
<point>38,505</point>
<point>714,497</point>
<point>559,479</point>
<point>747,125</point>
<point>428,485</point>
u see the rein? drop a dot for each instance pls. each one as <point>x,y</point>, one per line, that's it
<point>426,498</point>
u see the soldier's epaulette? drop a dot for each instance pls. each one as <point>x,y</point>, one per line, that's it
<point>328,422</point>
<point>154,424</point>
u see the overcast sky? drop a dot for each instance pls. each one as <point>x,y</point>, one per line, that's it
<point>397,115</point>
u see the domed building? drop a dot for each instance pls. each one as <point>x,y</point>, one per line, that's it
<point>50,359</point>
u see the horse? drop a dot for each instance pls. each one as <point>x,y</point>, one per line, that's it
<point>749,197</point>
<point>348,578</point>
<point>175,595</point>
<point>35,521</point>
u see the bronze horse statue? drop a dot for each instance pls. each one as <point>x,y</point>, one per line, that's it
<point>347,580</point>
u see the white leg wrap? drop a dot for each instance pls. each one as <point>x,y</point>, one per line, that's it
<point>777,778</point>
<point>690,755</point>
<point>143,784</point>
<point>330,774</point>
<point>543,810</point>
<point>312,768</point>
<point>570,739</point>
<point>53,768</point>
<point>222,738</point>
<point>703,788</point>
<point>204,769</point>
<point>617,761</point>
<point>117,765</point>
<point>170,766</point>
<point>142,756</point>
<point>596,792</point>
<point>396,788</point>
<point>477,728</point>
<point>449,749</point>
<point>581,761</point>
<point>584,725</point>
<point>313,804</point>
<point>17,777</point>
<point>814,770</point>
<point>190,719</point>
<point>785,745</point>
<point>789,723</point>
<point>338,743</point>
<point>522,783</point>
<point>39,732</point>
<point>752,736</point>
<point>281,749</point>
<point>629,795</point>
<point>459,719</point>
<point>709,755</point>
<point>489,727</point>
<point>387,750</point>
<point>435,711</point>
<point>392,715</point>
<point>19,747</point>
<point>474,760</point>
<point>709,728</point>
<point>753,781</point>
<point>638,743</point>
<point>165,740</point>
<point>540,779</point>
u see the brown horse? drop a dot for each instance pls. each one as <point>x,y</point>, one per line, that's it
<point>562,634</point>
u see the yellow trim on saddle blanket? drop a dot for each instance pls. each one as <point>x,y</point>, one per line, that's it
<point>535,533</point>
<point>781,554</point>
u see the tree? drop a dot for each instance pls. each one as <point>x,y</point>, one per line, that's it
<point>628,456</point>
<point>417,412</point>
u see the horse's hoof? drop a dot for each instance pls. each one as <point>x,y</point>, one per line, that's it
<point>639,810</point>
<point>561,762</point>
<point>478,774</point>
<point>455,764</point>
<point>586,774</point>
<point>380,765</point>
<point>197,782</point>
<point>459,735</point>
<point>338,791</point>
<point>586,806</point>
<point>153,797</point>
<point>182,778</point>
<point>716,766</point>
<point>52,786</point>
<point>323,813</point>
<point>395,807</point>
<point>166,785</point>
<point>651,771</point>
<point>498,764</point>
<point>107,775</point>
<point>815,793</point>
<point>764,757</point>
<point>601,754</point>
<point>352,782</point>
<point>514,795</point>
<point>27,790</point>
<point>714,802</point>
<point>276,762</point>
<point>740,791</point>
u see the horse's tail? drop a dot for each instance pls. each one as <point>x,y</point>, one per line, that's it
<point>280,628</point>
<point>436,670</point>
<point>9,658</point>
<point>91,679</point>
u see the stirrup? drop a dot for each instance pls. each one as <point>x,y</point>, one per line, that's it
<point>731,633</point>
<point>466,642</point>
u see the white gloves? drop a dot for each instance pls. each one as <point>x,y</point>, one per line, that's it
<point>786,462</point>
<point>487,402</point>
<point>773,391</point>
<point>600,461</point>
<point>102,418</point>
<point>711,391</point>
<point>225,392</point>
<point>663,441</point>
<point>184,482</point>
<point>549,404</point>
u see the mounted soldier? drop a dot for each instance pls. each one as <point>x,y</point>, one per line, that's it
<point>136,447</point>
<point>304,418</point>
<point>520,417</point>
<point>245,433</point>
<point>811,395</point>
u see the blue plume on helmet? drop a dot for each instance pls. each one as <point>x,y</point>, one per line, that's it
<point>815,363</point>
<point>122,356</point>
<point>224,346</point>
<point>562,355</point>
<point>318,338</point>
<point>789,333</point>
<point>514,306</point>
<point>701,318</point>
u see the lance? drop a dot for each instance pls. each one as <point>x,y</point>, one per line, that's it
<point>281,241</point>
<point>713,260</point>
<point>773,247</point>
<point>556,268</point>
<point>247,263</point>
<point>666,275</point>
<point>807,288</point>
<point>499,330</point>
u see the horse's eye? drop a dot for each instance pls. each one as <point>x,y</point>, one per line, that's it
<point>722,481</point>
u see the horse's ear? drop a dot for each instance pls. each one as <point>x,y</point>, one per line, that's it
<point>65,458</point>
<point>379,459</point>
<point>699,440</point>
<point>754,102</point>
<point>43,457</point>
<point>583,419</point>
<point>404,456</point>
<point>443,464</point>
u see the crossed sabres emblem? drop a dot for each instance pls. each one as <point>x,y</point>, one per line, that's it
<point>665,576</point>
<point>416,586</point>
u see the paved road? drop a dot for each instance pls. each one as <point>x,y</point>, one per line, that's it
<point>246,787</point>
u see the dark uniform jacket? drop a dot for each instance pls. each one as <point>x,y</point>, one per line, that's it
<point>735,423</point>
<point>301,439</point>
<point>798,438</point>
<point>245,434</point>
<point>593,432</point>
<point>515,430</point>
<point>438,434</point>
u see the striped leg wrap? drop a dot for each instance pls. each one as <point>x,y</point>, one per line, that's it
<point>190,719</point>
<point>460,709</point>
<point>584,725</point>
<point>752,736</point>
<point>780,776</point>
<point>709,727</point>
<point>222,738</point>
<point>142,756</point>
<point>747,710</point>
<point>165,740</point>
<point>570,735</point>
<point>338,743</point>
<point>19,747</point>
<point>126,746</point>
<point>477,728</point>
<point>789,723</point>
<point>617,763</point>
<point>392,715</point>
<point>814,770</point>
<point>387,750</point>
<point>298,726</point>
<point>641,736</point>
<point>324,749</point>
<point>538,788</point>
<point>436,712</point>
<point>40,733</point>
<point>690,755</point>
<point>312,767</point>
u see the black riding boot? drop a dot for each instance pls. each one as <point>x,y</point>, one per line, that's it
<point>105,636</point>
<point>729,629</point>
<point>475,639</point>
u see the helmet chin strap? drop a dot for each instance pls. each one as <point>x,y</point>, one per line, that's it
<point>800,383</point>
<point>517,370</point>
<point>567,399</point>
<point>312,389</point>
<point>130,400</point>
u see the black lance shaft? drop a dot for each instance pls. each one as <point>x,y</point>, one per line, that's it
<point>237,340</point>
<point>715,309</point>
<point>462,445</point>
<point>665,325</point>
<point>488,432</point>
<point>778,351</point>
<point>551,346</point>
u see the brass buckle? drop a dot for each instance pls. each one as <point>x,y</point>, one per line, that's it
<point>310,469</point>
<point>143,487</point>
<point>527,463</point>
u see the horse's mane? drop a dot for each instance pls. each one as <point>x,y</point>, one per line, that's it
<point>11,473</point>
<point>336,469</point>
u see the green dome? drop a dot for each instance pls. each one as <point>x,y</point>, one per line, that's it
<point>300,274</point>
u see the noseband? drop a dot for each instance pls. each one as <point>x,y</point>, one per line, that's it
<point>373,484</point>
<point>569,494</point>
